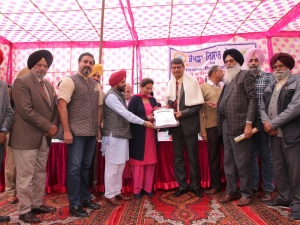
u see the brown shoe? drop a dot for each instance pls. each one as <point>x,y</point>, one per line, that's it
<point>228,198</point>
<point>114,201</point>
<point>12,199</point>
<point>266,196</point>
<point>211,191</point>
<point>244,201</point>
<point>123,197</point>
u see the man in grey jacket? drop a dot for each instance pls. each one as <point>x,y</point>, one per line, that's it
<point>281,118</point>
<point>6,117</point>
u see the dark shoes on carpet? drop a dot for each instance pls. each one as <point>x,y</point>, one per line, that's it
<point>266,196</point>
<point>29,217</point>
<point>277,203</point>
<point>4,219</point>
<point>228,198</point>
<point>150,194</point>
<point>139,195</point>
<point>197,192</point>
<point>123,197</point>
<point>78,211</point>
<point>243,201</point>
<point>43,209</point>
<point>295,215</point>
<point>90,204</point>
<point>114,201</point>
<point>211,191</point>
<point>180,192</point>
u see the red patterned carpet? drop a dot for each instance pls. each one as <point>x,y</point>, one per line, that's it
<point>161,209</point>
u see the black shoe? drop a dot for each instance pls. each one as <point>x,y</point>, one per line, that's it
<point>78,211</point>
<point>139,195</point>
<point>197,192</point>
<point>150,194</point>
<point>29,217</point>
<point>277,203</point>
<point>4,219</point>
<point>180,192</point>
<point>90,204</point>
<point>43,209</point>
<point>295,215</point>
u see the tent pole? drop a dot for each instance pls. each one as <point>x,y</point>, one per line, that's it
<point>101,32</point>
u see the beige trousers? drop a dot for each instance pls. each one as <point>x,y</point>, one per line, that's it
<point>31,176</point>
<point>10,170</point>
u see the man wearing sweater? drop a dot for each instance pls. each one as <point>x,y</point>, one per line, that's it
<point>208,125</point>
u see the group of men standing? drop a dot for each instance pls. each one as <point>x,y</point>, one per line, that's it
<point>250,98</point>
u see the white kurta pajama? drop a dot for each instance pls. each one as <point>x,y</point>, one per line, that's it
<point>116,150</point>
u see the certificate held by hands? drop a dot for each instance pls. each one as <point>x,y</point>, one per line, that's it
<point>164,117</point>
<point>242,137</point>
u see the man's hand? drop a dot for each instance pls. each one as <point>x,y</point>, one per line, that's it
<point>149,125</point>
<point>204,136</point>
<point>211,104</point>
<point>267,126</point>
<point>178,114</point>
<point>98,135</point>
<point>248,130</point>
<point>52,131</point>
<point>68,137</point>
<point>273,132</point>
<point>2,138</point>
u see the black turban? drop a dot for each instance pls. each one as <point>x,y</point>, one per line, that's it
<point>35,57</point>
<point>234,53</point>
<point>285,58</point>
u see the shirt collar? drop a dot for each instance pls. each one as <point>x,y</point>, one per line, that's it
<point>212,84</point>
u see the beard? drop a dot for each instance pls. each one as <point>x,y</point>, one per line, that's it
<point>39,73</point>
<point>279,75</point>
<point>86,70</point>
<point>120,88</point>
<point>230,73</point>
<point>255,69</point>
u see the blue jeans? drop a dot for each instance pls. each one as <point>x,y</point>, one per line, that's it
<point>80,154</point>
<point>260,145</point>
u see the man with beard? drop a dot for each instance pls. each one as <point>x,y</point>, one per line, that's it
<point>35,122</point>
<point>281,118</point>
<point>261,140</point>
<point>115,137</point>
<point>236,113</point>
<point>80,111</point>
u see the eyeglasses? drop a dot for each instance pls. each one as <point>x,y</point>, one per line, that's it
<point>177,67</point>
<point>229,61</point>
<point>280,67</point>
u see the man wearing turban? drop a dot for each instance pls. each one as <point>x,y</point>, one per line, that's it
<point>115,137</point>
<point>281,118</point>
<point>80,111</point>
<point>255,59</point>
<point>35,122</point>
<point>237,108</point>
<point>6,118</point>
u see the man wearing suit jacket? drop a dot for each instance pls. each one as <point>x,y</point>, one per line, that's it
<point>35,122</point>
<point>6,117</point>
<point>236,113</point>
<point>184,95</point>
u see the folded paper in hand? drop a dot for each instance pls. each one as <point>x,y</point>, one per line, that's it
<point>242,137</point>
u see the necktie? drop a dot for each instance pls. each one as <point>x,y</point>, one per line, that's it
<point>174,106</point>
<point>45,92</point>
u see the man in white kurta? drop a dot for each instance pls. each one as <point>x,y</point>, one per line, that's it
<point>115,137</point>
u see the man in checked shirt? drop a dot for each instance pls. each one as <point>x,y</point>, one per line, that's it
<point>261,141</point>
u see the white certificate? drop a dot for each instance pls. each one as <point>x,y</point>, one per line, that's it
<point>164,117</point>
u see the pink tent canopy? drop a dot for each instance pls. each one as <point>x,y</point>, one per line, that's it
<point>138,33</point>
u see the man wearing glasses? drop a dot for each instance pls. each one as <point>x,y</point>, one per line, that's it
<point>237,108</point>
<point>184,95</point>
<point>281,118</point>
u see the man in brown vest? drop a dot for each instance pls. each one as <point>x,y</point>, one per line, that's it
<point>80,111</point>
<point>35,122</point>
